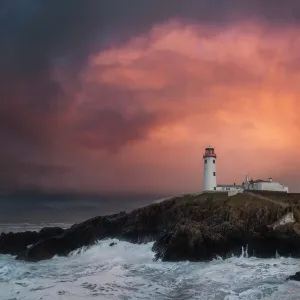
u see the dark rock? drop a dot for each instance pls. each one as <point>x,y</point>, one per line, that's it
<point>194,242</point>
<point>15,243</point>
<point>295,277</point>
<point>79,235</point>
<point>191,227</point>
<point>284,241</point>
<point>60,245</point>
<point>112,244</point>
<point>50,231</point>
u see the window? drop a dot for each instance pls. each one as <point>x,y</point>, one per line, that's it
<point>215,188</point>
<point>214,173</point>
<point>206,161</point>
<point>214,161</point>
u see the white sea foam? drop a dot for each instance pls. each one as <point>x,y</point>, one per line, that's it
<point>127,271</point>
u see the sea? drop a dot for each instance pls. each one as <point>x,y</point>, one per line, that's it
<point>127,271</point>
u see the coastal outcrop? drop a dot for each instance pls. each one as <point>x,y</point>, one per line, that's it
<point>190,227</point>
<point>15,243</point>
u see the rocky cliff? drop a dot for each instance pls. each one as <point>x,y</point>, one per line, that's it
<point>190,227</point>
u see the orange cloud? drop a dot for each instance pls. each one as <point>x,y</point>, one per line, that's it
<point>235,87</point>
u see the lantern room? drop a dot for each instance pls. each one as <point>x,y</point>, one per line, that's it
<point>209,152</point>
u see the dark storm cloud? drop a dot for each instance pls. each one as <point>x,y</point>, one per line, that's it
<point>36,36</point>
<point>35,32</point>
<point>112,129</point>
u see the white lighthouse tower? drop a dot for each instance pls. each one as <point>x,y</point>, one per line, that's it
<point>209,176</point>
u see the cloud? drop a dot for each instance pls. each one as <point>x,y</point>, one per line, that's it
<point>111,129</point>
<point>226,71</point>
<point>110,96</point>
<point>214,91</point>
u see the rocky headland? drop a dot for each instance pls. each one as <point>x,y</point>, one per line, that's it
<point>190,227</point>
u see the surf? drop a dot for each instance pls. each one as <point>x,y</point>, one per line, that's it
<point>125,269</point>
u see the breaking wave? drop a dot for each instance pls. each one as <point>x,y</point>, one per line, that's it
<point>127,271</point>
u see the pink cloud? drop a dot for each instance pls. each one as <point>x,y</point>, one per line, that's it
<point>159,99</point>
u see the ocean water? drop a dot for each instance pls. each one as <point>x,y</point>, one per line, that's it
<point>127,271</point>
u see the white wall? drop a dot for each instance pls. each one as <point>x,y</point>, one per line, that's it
<point>268,186</point>
<point>234,192</point>
<point>230,190</point>
<point>209,179</point>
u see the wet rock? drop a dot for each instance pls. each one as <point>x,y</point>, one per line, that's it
<point>191,227</point>
<point>283,241</point>
<point>63,244</point>
<point>112,244</point>
<point>50,231</point>
<point>295,277</point>
<point>196,242</point>
<point>15,243</point>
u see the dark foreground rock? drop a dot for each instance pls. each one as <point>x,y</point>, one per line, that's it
<point>191,228</point>
<point>295,277</point>
<point>194,242</point>
<point>15,243</point>
<point>59,244</point>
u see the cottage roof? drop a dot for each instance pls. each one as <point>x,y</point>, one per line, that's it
<point>258,180</point>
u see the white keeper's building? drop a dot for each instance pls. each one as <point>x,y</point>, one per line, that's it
<point>210,179</point>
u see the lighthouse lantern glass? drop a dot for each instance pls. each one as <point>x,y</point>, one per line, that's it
<point>210,152</point>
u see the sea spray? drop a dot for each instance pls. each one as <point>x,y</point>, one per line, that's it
<point>127,271</point>
<point>245,252</point>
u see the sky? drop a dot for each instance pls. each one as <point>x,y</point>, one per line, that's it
<point>123,96</point>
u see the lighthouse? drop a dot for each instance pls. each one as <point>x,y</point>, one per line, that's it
<point>210,179</point>
<point>209,176</point>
